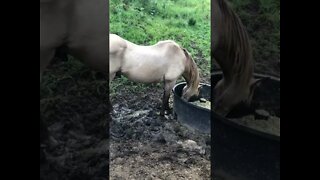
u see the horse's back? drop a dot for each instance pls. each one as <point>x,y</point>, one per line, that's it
<point>146,63</point>
<point>172,57</point>
<point>164,53</point>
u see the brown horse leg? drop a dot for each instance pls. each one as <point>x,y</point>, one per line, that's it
<point>168,85</point>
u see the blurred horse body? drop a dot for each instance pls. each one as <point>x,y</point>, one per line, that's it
<point>80,27</point>
<point>164,61</point>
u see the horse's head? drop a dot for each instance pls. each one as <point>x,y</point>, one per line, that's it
<point>190,94</point>
<point>227,97</point>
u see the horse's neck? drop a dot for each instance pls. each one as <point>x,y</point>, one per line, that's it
<point>191,76</point>
<point>233,51</point>
<point>234,69</point>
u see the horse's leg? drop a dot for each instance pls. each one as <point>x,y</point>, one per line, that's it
<point>168,85</point>
<point>51,35</point>
<point>46,55</point>
<point>111,76</point>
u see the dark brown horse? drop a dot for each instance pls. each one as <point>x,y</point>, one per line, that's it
<point>233,52</point>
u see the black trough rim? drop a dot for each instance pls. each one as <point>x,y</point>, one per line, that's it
<point>192,105</point>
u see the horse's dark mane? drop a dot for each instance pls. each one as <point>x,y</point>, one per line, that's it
<point>191,74</point>
<point>235,40</point>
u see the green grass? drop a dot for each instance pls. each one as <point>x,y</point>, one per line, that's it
<point>146,22</point>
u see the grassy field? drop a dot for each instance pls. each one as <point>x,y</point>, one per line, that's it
<point>146,22</point>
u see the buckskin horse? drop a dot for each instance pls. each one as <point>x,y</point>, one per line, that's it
<point>164,61</point>
<point>233,52</point>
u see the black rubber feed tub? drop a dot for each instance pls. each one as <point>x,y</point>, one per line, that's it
<point>190,115</point>
<point>242,153</point>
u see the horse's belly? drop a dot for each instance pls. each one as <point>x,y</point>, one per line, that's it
<point>144,76</point>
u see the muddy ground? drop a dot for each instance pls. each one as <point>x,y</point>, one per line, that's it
<point>147,146</point>
<point>73,102</point>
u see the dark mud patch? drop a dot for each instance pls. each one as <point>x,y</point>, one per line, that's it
<point>74,104</point>
<point>146,146</point>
